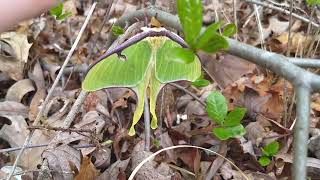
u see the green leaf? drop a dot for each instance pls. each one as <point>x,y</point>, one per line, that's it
<point>117,30</point>
<point>181,55</point>
<point>230,30</point>
<point>201,83</point>
<point>224,133</point>
<point>271,149</point>
<point>313,2</point>
<point>64,16</point>
<point>206,36</point>
<point>190,14</point>
<point>264,161</point>
<point>147,68</point>
<point>217,107</point>
<point>57,11</point>
<point>213,43</point>
<point>234,117</point>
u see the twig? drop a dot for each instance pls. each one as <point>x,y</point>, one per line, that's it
<point>285,85</point>
<point>55,83</point>
<point>146,124</point>
<point>259,26</point>
<point>43,145</point>
<point>283,11</point>
<point>235,16</point>
<point>188,92</point>
<point>75,109</point>
<point>60,129</point>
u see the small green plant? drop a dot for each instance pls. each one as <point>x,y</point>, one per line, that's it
<point>313,2</point>
<point>117,30</point>
<point>268,152</point>
<point>59,13</point>
<point>208,40</point>
<point>201,81</point>
<point>230,123</point>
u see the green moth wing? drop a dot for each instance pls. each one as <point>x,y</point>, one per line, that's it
<point>114,72</point>
<point>170,71</point>
<point>147,69</point>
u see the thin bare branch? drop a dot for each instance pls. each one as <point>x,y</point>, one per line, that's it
<point>270,6</point>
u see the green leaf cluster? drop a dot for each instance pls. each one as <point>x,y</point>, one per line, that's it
<point>268,152</point>
<point>59,12</point>
<point>230,123</point>
<point>313,2</point>
<point>210,40</point>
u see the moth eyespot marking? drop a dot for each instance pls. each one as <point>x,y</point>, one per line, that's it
<point>122,57</point>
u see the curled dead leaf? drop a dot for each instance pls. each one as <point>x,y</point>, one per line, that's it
<point>19,89</point>
<point>12,108</point>
<point>64,161</point>
<point>114,170</point>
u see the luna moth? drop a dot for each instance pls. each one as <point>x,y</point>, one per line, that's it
<point>147,68</point>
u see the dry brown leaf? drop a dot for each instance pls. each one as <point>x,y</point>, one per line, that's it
<point>255,133</point>
<point>16,133</point>
<point>315,106</point>
<point>19,89</point>
<point>148,171</point>
<point>87,170</point>
<point>275,26</point>
<point>11,108</point>
<point>314,146</point>
<point>120,135</point>
<point>299,41</point>
<point>102,156</point>
<point>228,173</point>
<point>71,7</point>
<point>165,141</point>
<point>191,157</point>
<point>63,160</point>
<point>38,98</point>
<point>311,162</point>
<point>19,44</point>
<point>226,69</point>
<point>114,170</point>
<point>18,50</point>
<point>95,124</point>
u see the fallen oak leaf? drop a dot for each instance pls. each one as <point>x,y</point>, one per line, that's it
<point>64,161</point>
<point>12,108</point>
<point>87,170</point>
<point>16,55</point>
<point>114,170</point>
